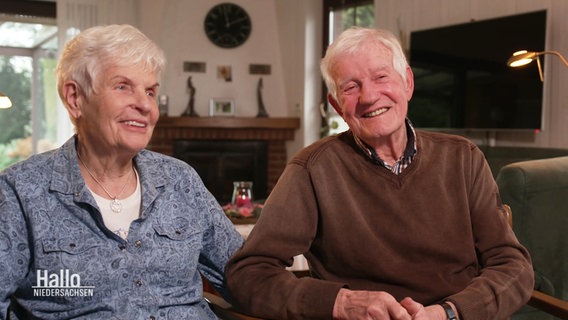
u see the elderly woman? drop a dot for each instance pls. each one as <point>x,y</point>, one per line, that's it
<point>101,228</point>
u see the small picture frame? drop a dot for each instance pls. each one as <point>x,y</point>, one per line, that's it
<point>221,107</point>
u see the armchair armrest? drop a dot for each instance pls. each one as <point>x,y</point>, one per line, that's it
<point>549,304</point>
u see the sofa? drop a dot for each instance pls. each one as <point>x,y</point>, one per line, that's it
<point>536,191</point>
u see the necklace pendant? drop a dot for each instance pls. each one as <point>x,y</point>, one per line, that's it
<point>116,205</point>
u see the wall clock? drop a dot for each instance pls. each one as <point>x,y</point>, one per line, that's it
<point>227,25</point>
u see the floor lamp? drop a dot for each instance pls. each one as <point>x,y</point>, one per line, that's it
<point>523,57</point>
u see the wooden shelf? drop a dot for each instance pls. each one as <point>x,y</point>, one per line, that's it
<point>229,122</point>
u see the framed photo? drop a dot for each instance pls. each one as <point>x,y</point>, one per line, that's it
<point>225,73</point>
<point>221,107</point>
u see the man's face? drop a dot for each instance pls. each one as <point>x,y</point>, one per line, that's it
<point>372,96</point>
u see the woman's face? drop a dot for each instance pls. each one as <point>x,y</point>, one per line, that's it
<point>122,112</point>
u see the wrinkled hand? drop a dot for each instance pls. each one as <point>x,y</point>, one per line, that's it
<point>369,305</point>
<point>420,312</point>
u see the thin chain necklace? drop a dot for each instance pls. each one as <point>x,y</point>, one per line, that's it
<point>115,203</point>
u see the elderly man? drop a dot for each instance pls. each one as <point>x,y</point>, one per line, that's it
<point>396,223</point>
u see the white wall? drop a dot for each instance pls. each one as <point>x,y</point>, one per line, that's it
<point>278,39</point>
<point>177,26</point>
<point>300,29</point>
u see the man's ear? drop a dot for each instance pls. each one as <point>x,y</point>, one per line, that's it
<point>72,98</point>
<point>334,104</point>
<point>409,83</point>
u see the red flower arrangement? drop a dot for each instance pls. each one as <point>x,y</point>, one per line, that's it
<point>239,212</point>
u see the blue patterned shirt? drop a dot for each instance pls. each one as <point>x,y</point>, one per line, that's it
<point>59,261</point>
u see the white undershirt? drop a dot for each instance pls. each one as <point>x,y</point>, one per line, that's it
<point>119,223</point>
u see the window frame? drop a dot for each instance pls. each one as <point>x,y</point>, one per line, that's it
<point>30,11</point>
<point>331,5</point>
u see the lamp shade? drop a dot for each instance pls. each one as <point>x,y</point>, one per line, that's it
<point>5,102</point>
<point>523,57</point>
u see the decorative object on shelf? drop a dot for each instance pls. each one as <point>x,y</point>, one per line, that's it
<point>163,105</point>
<point>260,69</point>
<point>524,57</point>
<point>227,25</point>
<point>225,73</point>
<point>5,102</point>
<point>194,66</point>
<point>190,111</point>
<point>261,110</point>
<point>221,107</point>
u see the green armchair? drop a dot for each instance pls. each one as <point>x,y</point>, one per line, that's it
<point>536,191</point>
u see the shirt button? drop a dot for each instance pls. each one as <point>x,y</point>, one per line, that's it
<point>138,243</point>
<point>152,318</point>
<point>122,247</point>
<point>138,283</point>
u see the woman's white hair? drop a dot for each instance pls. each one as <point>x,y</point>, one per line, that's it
<point>93,50</point>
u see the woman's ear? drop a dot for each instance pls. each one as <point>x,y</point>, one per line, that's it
<point>72,98</point>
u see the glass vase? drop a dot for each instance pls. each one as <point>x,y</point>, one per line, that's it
<point>242,193</point>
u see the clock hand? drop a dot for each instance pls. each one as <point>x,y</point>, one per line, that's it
<point>227,23</point>
<point>238,20</point>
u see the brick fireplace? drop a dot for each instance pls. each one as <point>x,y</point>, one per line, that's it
<point>177,136</point>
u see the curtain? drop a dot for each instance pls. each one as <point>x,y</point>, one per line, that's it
<point>76,15</point>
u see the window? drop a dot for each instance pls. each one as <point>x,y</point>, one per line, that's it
<point>28,49</point>
<point>344,14</point>
<point>340,15</point>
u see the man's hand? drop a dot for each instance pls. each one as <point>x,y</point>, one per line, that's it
<point>420,312</point>
<point>369,305</point>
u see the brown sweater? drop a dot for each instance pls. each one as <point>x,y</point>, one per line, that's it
<point>435,232</point>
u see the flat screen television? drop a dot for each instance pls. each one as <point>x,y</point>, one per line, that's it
<point>462,80</point>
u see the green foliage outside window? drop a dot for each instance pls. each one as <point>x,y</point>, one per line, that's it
<point>15,122</point>
<point>362,16</point>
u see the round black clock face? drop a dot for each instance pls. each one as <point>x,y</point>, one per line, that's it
<point>227,25</point>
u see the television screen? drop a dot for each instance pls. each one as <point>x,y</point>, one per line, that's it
<point>462,80</point>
